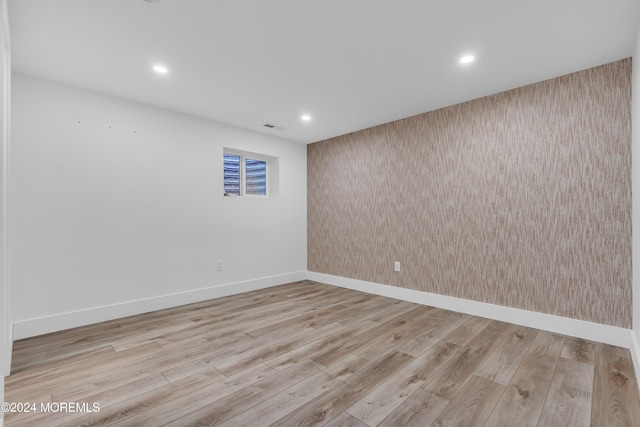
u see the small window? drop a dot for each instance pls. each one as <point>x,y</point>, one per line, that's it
<point>231,174</point>
<point>255,177</point>
<point>245,175</point>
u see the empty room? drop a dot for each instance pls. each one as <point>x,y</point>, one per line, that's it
<point>357,213</point>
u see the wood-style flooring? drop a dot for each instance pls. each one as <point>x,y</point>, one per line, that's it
<point>308,354</point>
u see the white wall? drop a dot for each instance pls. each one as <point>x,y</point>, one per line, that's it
<point>635,185</point>
<point>115,204</point>
<point>5,74</point>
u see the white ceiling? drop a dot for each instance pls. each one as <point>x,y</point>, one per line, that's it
<point>350,64</point>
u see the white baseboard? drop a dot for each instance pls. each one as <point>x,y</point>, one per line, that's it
<point>562,325</point>
<point>1,399</point>
<point>634,349</point>
<point>58,322</point>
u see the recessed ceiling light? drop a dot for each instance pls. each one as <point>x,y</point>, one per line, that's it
<point>160,69</point>
<point>466,59</point>
<point>306,118</point>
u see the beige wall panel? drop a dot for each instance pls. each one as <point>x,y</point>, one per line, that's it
<point>521,199</point>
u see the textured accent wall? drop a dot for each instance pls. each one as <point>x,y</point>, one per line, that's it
<point>521,199</point>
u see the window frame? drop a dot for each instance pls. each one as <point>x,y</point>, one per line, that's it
<point>244,156</point>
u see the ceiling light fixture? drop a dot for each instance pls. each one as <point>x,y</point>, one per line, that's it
<point>467,59</point>
<point>160,69</point>
<point>306,118</point>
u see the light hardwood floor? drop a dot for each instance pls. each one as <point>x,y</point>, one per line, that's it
<point>311,354</point>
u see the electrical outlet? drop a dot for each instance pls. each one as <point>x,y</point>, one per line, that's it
<point>218,265</point>
<point>396,266</point>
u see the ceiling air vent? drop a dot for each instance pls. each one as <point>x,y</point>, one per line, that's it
<point>272,126</point>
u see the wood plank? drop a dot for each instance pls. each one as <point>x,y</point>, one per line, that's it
<point>321,317</point>
<point>413,322</point>
<point>612,350</point>
<point>421,409</point>
<point>615,389</point>
<point>182,397</point>
<point>24,418</point>
<point>40,353</point>
<point>448,381</point>
<point>473,405</point>
<point>127,342</point>
<point>250,315</point>
<point>381,334</point>
<point>345,420</point>
<point>59,366</point>
<point>311,350</point>
<point>579,350</point>
<point>135,410</point>
<point>104,399</point>
<point>228,407</point>
<point>524,397</point>
<point>273,350</point>
<point>443,324</point>
<point>344,368</point>
<point>285,402</point>
<point>333,402</point>
<point>104,365</point>
<point>386,397</point>
<point>467,331</point>
<point>379,310</point>
<point>505,359</point>
<point>569,400</point>
<point>385,312</point>
<point>108,378</point>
